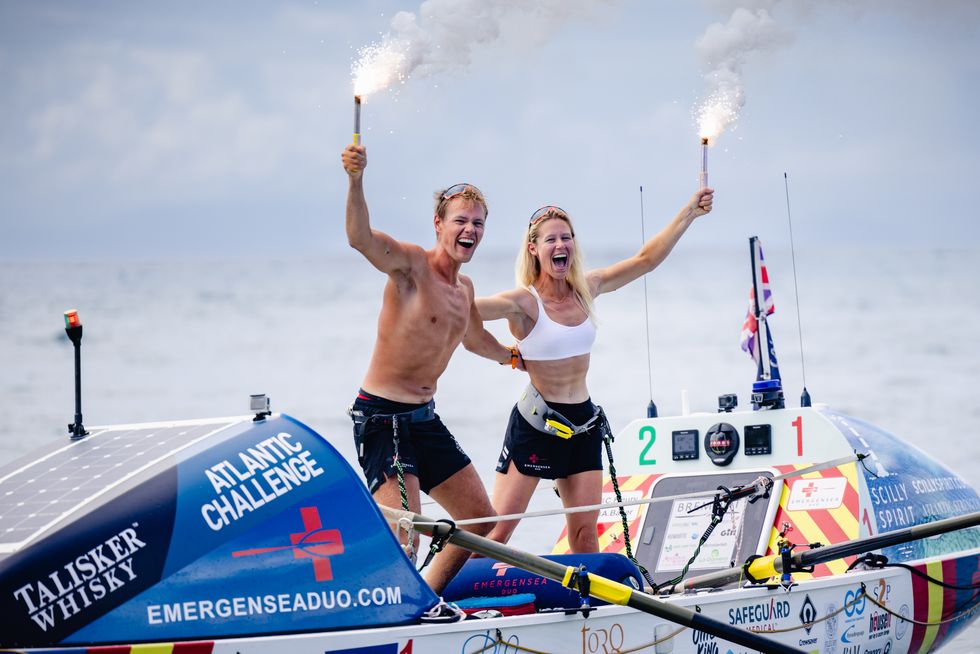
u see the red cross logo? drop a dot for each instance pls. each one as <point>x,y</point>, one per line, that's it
<point>809,489</point>
<point>501,568</point>
<point>314,542</point>
<point>533,458</point>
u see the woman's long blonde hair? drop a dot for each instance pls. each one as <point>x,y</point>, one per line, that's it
<point>528,268</point>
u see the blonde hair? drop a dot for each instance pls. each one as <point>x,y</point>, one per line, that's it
<point>528,268</point>
<point>468,192</point>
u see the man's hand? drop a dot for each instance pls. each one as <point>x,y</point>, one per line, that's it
<point>701,201</point>
<point>354,158</point>
<point>515,360</point>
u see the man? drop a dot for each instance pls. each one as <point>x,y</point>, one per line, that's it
<point>427,311</point>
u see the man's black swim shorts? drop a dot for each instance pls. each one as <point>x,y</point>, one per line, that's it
<point>427,449</point>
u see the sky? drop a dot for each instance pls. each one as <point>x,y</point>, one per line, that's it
<point>152,129</point>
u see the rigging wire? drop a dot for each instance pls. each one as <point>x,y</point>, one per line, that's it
<point>805,396</point>
<point>651,408</point>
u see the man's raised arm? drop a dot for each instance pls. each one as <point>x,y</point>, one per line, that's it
<point>385,253</point>
<point>479,341</point>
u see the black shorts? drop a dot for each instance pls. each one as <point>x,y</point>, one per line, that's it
<point>548,456</point>
<point>427,449</point>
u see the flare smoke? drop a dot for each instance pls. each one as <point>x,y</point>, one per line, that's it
<point>442,35</point>
<point>724,49</point>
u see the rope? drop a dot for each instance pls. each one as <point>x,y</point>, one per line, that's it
<point>952,618</point>
<point>509,645</point>
<point>861,595</point>
<point>719,507</point>
<point>607,438</point>
<point>809,625</point>
<point>878,561</point>
<point>864,594</point>
<point>400,473</point>
<point>520,648</point>
<point>654,643</point>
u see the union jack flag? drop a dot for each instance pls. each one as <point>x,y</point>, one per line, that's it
<point>750,328</point>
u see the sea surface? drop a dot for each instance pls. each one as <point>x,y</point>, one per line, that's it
<point>889,336</point>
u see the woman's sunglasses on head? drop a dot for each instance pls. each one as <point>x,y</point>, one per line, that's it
<point>545,211</point>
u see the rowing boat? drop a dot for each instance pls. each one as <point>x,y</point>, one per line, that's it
<point>771,529</point>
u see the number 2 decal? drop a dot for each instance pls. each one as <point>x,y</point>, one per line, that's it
<point>644,461</point>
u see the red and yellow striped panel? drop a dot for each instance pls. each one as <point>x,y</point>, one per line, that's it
<point>825,526</point>
<point>938,607</point>
<point>611,533</point>
<point>155,648</point>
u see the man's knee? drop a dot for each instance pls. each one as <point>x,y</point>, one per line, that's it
<point>481,528</point>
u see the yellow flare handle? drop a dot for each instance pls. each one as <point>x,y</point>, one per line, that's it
<point>763,567</point>
<point>357,138</point>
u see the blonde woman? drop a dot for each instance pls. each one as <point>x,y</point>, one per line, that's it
<point>554,430</point>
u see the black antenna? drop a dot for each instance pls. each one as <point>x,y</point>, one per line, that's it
<point>651,408</point>
<point>805,396</point>
<point>73,327</point>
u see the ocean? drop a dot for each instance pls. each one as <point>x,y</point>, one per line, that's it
<point>889,336</point>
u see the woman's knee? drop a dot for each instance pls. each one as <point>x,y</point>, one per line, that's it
<point>583,538</point>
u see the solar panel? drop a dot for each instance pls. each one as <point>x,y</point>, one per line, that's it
<point>37,494</point>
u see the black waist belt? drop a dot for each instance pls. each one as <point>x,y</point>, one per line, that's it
<point>421,414</point>
<point>542,417</point>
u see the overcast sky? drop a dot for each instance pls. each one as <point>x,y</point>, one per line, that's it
<point>147,129</point>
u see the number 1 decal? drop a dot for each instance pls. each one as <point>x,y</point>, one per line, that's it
<point>644,461</point>
<point>798,423</point>
<point>867,521</point>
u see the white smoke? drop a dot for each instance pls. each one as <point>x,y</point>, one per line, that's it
<point>443,34</point>
<point>751,29</point>
<point>724,48</point>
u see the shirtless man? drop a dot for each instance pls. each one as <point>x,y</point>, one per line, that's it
<point>427,311</point>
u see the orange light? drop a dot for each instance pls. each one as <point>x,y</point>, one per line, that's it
<point>71,319</point>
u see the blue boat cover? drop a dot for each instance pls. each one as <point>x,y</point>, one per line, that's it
<point>262,528</point>
<point>490,578</point>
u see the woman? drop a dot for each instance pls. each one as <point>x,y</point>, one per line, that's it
<point>554,430</point>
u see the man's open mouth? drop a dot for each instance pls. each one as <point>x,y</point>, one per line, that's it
<point>466,242</point>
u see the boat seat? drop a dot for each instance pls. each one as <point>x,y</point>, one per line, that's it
<point>489,578</point>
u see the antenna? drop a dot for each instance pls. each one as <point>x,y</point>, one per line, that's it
<point>651,408</point>
<point>805,396</point>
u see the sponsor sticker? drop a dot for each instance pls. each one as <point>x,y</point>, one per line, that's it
<point>611,514</point>
<point>811,494</point>
<point>83,580</point>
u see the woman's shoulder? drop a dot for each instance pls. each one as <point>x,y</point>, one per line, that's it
<point>524,298</point>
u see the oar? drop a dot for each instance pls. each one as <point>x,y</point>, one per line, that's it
<point>769,566</point>
<point>598,587</point>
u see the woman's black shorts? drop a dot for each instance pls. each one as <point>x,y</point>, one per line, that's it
<point>548,456</point>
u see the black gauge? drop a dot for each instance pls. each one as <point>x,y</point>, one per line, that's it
<point>685,444</point>
<point>721,443</point>
<point>758,439</point>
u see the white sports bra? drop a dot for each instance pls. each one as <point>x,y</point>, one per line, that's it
<point>549,340</point>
